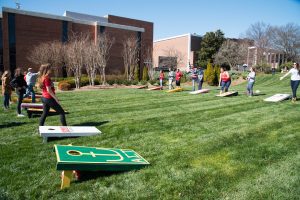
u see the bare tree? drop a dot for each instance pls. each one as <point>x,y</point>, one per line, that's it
<point>102,46</point>
<point>173,53</point>
<point>287,39</point>
<point>232,53</point>
<point>130,56</point>
<point>260,33</point>
<point>90,61</point>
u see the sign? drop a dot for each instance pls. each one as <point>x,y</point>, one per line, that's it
<point>97,159</point>
<point>67,131</point>
<point>277,97</point>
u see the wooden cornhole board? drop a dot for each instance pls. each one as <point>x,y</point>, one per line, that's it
<point>25,100</point>
<point>142,87</point>
<point>95,159</point>
<point>67,131</point>
<point>37,96</point>
<point>228,94</point>
<point>155,88</point>
<point>277,97</point>
<point>39,111</point>
<point>175,90</point>
<point>200,91</point>
<point>32,105</point>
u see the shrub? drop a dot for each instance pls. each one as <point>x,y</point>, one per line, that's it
<point>127,82</point>
<point>64,86</point>
<point>110,82</point>
<point>209,74</point>
<point>143,82</point>
<point>134,82</point>
<point>153,82</point>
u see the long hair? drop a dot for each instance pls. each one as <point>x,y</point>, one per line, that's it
<point>44,71</point>
<point>18,72</point>
<point>298,68</point>
<point>6,74</point>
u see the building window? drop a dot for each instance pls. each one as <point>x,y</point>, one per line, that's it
<point>101,29</point>
<point>12,41</point>
<point>64,31</point>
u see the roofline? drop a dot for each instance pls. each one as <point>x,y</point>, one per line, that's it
<point>177,36</point>
<point>57,17</point>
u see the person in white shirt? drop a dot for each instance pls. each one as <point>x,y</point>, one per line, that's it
<point>171,77</point>
<point>251,81</point>
<point>295,79</point>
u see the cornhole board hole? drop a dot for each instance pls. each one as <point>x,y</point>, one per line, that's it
<point>67,131</point>
<point>154,88</point>
<point>277,98</point>
<point>175,90</point>
<point>32,105</point>
<point>39,111</point>
<point>142,87</point>
<point>200,91</point>
<point>228,94</point>
<point>83,158</point>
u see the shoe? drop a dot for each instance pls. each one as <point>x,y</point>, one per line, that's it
<point>20,115</point>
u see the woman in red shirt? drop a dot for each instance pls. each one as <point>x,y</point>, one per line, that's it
<point>161,79</point>
<point>178,77</point>
<point>225,80</point>
<point>49,98</point>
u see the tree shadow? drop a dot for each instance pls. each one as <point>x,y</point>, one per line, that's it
<point>11,124</point>
<point>82,176</point>
<point>91,123</point>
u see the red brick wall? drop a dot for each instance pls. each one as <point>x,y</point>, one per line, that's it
<point>5,41</point>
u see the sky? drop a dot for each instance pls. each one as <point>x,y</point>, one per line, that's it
<point>176,17</point>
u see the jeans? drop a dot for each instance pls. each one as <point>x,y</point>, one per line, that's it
<point>171,84</point>
<point>29,91</point>
<point>20,94</point>
<point>178,83</point>
<point>225,85</point>
<point>250,88</point>
<point>6,100</point>
<point>161,83</point>
<point>294,85</point>
<point>193,82</point>
<point>51,103</point>
<point>200,85</point>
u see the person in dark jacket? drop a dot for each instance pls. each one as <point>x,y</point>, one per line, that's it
<point>20,85</point>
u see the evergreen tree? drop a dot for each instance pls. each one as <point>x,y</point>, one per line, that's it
<point>209,74</point>
<point>217,74</point>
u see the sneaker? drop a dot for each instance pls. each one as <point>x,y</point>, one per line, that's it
<point>20,115</point>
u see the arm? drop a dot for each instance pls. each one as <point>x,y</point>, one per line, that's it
<point>52,94</point>
<point>285,75</point>
<point>220,80</point>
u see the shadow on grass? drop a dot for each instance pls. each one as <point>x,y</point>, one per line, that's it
<point>82,176</point>
<point>91,123</point>
<point>11,124</point>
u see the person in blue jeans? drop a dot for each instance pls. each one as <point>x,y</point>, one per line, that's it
<point>194,76</point>
<point>31,80</point>
<point>251,81</point>
<point>225,79</point>
<point>6,88</point>
<point>295,79</point>
<point>200,78</point>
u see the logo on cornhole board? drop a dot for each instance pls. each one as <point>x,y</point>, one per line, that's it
<point>97,159</point>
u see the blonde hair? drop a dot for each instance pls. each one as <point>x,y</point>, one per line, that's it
<point>6,74</point>
<point>44,71</point>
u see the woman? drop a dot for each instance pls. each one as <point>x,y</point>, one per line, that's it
<point>161,79</point>
<point>20,84</point>
<point>49,98</point>
<point>6,88</point>
<point>251,81</point>
<point>178,76</point>
<point>171,77</point>
<point>225,80</point>
<point>295,79</point>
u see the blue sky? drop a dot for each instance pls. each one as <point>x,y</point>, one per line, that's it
<point>176,17</point>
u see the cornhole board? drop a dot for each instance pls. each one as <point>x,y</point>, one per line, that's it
<point>277,98</point>
<point>155,88</point>
<point>25,100</point>
<point>142,87</point>
<point>228,94</point>
<point>36,96</point>
<point>175,90</point>
<point>39,111</point>
<point>200,91</point>
<point>32,105</point>
<point>67,131</point>
<point>95,159</point>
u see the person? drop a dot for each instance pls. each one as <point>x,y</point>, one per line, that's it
<point>194,76</point>
<point>225,79</point>
<point>171,78</point>
<point>49,98</point>
<point>31,80</point>
<point>178,77</point>
<point>251,81</point>
<point>20,84</point>
<point>295,79</point>
<point>200,78</point>
<point>273,70</point>
<point>161,78</point>
<point>6,88</point>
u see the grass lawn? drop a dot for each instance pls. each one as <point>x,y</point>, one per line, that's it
<point>199,146</point>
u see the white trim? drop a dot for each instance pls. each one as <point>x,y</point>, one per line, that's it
<point>177,36</point>
<point>119,26</point>
<point>189,49</point>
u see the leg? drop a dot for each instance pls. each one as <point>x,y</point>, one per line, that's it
<point>222,87</point>
<point>293,86</point>
<point>6,100</point>
<point>53,104</point>
<point>227,84</point>
<point>248,88</point>
<point>66,179</point>
<point>170,84</point>
<point>20,99</point>
<point>32,95</point>
<point>46,109</point>
<point>193,82</point>
<point>200,85</point>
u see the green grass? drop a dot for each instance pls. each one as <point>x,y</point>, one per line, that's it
<point>199,146</point>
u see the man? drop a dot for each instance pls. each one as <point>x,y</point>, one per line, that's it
<point>31,80</point>
<point>200,78</point>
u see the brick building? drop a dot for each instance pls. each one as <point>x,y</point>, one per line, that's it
<point>21,30</point>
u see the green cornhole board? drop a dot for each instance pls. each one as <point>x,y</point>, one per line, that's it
<point>82,158</point>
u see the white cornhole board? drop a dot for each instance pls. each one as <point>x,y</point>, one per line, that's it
<point>277,97</point>
<point>228,94</point>
<point>32,105</point>
<point>200,91</point>
<point>67,131</point>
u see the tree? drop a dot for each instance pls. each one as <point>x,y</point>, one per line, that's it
<point>145,74</point>
<point>232,53</point>
<point>209,74</point>
<point>130,56</point>
<point>174,56</point>
<point>287,39</point>
<point>210,44</point>
<point>148,60</point>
